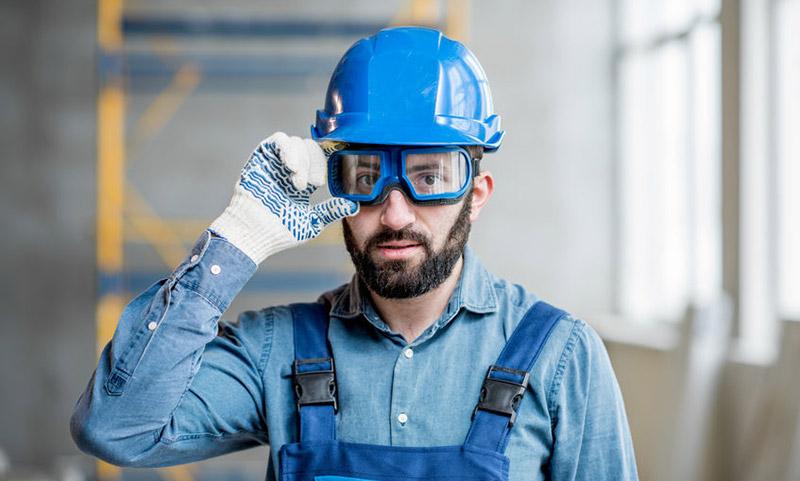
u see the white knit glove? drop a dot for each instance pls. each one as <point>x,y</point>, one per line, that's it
<point>270,210</point>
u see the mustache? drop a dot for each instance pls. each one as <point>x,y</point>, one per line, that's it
<point>405,234</point>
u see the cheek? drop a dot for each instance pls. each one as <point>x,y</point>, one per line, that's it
<point>441,224</point>
<point>362,226</point>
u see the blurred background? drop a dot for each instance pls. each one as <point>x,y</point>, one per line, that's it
<point>649,182</point>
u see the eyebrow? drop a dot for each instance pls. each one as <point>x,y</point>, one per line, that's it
<point>429,166</point>
<point>368,164</point>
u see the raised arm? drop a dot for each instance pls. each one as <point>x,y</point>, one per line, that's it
<point>167,389</point>
<point>173,385</point>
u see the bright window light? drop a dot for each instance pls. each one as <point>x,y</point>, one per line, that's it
<point>704,139</point>
<point>669,158</point>
<point>787,16</point>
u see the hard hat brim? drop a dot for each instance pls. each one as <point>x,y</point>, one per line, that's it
<point>452,131</point>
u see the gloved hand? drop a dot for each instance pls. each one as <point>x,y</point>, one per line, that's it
<point>270,210</point>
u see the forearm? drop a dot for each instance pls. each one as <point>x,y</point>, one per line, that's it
<point>144,372</point>
<point>151,400</point>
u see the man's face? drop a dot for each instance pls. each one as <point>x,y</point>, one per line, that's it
<point>402,250</point>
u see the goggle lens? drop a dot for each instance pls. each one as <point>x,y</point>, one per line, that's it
<point>436,173</point>
<point>359,173</point>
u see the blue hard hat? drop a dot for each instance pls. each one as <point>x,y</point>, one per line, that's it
<point>409,86</point>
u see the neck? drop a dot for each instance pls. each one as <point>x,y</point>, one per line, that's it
<point>410,317</point>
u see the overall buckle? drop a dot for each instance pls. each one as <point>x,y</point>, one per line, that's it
<point>315,387</point>
<point>502,396</point>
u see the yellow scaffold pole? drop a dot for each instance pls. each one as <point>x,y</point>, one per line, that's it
<point>110,180</point>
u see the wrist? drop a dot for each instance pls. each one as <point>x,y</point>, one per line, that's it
<point>247,225</point>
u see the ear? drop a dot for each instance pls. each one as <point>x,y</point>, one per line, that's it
<point>482,188</point>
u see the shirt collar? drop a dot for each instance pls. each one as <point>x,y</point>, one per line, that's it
<point>474,292</point>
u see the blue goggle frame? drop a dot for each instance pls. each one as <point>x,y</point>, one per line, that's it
<point>393,175</point>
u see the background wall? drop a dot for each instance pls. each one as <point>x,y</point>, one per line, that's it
<point>194,108</point>
<point>47,132</point>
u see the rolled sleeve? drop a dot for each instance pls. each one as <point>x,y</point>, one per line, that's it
<point>215,270</point>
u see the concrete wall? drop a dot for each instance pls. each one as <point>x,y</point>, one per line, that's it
<point>749,429</point>
<point>550,224</point>
<point>47,131</point>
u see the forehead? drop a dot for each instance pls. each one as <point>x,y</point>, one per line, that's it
<point>370,160</point>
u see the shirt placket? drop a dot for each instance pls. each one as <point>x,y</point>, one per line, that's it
<point>405,379</point>
<point>403,385</point>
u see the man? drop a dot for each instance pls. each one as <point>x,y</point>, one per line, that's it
<point>424,366</point>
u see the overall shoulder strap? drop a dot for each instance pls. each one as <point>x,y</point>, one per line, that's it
<point>314,373</point>
<point>507,380</point>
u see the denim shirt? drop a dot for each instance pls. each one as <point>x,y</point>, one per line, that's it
<point>175,385</point>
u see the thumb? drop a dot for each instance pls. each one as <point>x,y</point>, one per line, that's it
<point>334,209</point>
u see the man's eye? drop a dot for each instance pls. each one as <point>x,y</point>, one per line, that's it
<point>367,179</point>
<point>431,179</point>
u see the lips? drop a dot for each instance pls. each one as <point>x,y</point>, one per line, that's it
<point>398,250</point>
<point>397,245</point>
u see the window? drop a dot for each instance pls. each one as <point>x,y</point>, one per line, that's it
<point>787,113</point>
<point>669,157</point>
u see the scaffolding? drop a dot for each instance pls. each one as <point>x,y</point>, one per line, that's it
<point>124,214</point>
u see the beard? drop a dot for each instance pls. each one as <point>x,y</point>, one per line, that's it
<point>396,279</point>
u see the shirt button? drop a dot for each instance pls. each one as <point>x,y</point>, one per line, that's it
<point>402,418</point>
<point>195,257</point>
<point>215,269</point>
<point>152,325</point>
<point>408,353</point>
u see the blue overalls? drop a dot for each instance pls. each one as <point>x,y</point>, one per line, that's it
<point>320,457</point>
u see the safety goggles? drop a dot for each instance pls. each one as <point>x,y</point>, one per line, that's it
<point>438,175</point>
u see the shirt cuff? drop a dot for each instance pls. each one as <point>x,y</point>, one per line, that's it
<point>215,269</point>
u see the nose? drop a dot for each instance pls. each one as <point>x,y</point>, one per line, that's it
<point>397,211</point>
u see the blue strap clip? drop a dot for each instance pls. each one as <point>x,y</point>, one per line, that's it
<point>501,393</point>
<point>315,382</point>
